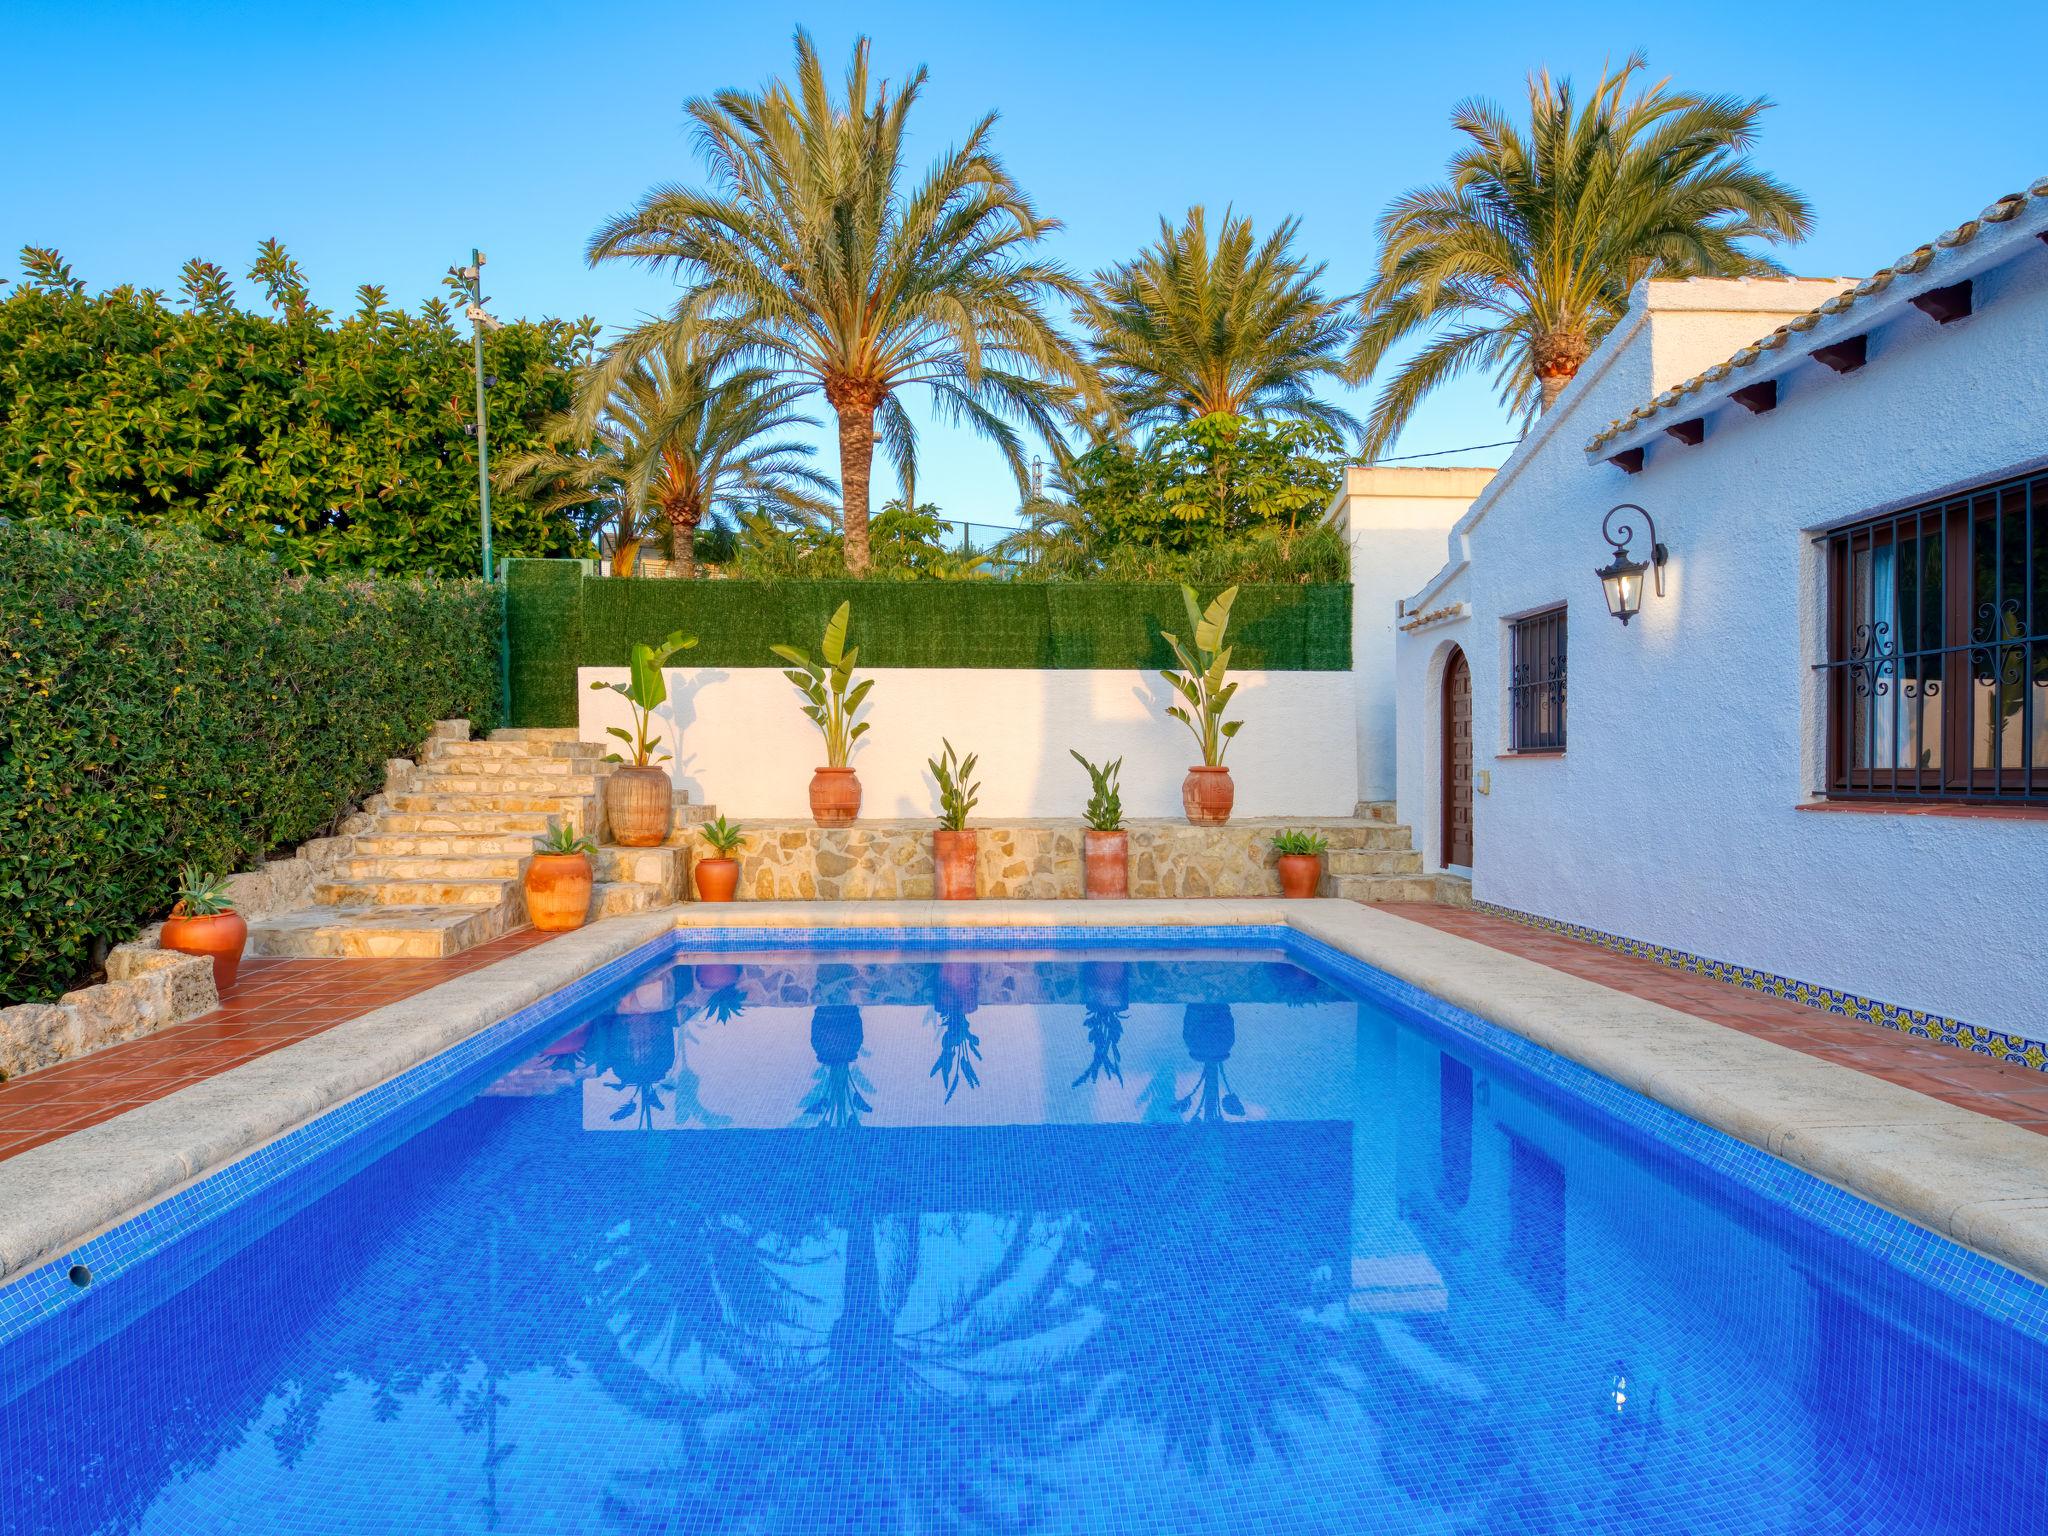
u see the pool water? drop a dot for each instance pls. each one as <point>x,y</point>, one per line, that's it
<point>1081,1239</point>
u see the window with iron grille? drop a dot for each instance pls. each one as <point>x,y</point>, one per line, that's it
<point>1937,668</point>
<point>1536,682</point>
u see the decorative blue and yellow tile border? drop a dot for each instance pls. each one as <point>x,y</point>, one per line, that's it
<point>1917,1022</point>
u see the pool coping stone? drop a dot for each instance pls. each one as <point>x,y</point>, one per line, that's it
<point>1977,1181</point>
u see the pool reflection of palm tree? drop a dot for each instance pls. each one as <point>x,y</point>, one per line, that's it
<point>839,1088</point>
<point>638,1051</point>
<point>956,993</point>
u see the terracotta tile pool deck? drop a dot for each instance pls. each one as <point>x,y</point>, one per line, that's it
<point>2013,1093</point>
<point>275,1003</point>
<point>279,1002</point>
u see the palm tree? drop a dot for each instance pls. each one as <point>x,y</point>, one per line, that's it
<point>1523,259</point>
<point>674,432</point>
<point>812,259</point>
<point>1183,332</point>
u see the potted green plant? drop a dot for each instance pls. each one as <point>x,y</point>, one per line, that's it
<point>639,800</point>
<point>558,879</point>
<point>1202,681</point>
<point>204,922</point>
<point>832,699</point>
<point>719,875</point>
<point>953,845</point>
<point>1105,846</point>
<point>1301,861</point>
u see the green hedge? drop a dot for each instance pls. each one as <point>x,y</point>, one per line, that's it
<point>560,619</point>
<point>166,699</point>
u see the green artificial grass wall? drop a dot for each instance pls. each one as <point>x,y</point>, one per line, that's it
<point>561,619</point>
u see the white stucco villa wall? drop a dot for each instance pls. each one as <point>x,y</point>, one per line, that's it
<point>747,749</point>
<point>1395,520</point>
<point>1682,811</point>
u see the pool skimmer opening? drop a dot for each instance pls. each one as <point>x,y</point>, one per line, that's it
<point>81,1276</point>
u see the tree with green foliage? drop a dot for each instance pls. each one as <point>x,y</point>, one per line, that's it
<point>812,256</point>
<point>1184,330</point>
<point>332,445</point>
<point>1523,259</point>
<point>679,433</point>
<point>1203,482</point>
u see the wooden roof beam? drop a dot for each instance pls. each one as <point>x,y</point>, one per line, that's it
<point>1757,398</point>
<point>1629,461</point>
<point>1689,433</point>
<point>1944,304</point>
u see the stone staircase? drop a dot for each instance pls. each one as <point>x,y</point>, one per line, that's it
<point>433,865</point>
<point>1373,858</point>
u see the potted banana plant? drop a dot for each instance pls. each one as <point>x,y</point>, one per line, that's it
<point>832,700</point>
<point>1105,846</point>
<point>639,800</point>
<point>719,875</point>
<point>204,922</point>
<point>953,845</point>
<point>558,879</point>
<point>1203,683</point>
<point>1301,861</point>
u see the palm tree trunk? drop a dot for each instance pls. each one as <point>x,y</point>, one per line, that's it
<point>1556,358</point>
<point>684,513</point>
<point>855,400</point>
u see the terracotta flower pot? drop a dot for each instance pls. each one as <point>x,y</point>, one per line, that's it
<point>221,938</point>
<point>835,797</point>
<point>717,879</point>
<point>953,852</point>
<point>640,805</point>
<point>1106,864</point>
<point>1207,794</point>
<point>1300,874</point>
<point>558,891</point>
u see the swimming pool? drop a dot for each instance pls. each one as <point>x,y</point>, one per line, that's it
<point>1125,1230</point>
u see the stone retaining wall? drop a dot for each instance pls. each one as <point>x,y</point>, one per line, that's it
<point>892,860</point>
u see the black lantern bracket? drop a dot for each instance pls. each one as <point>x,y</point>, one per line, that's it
<point>1622,577</point>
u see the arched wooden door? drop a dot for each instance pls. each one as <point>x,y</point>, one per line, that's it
<point>1457,760</point>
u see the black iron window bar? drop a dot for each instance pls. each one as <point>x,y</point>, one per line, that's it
<point>1936,675</point>
<point>1536,682</point>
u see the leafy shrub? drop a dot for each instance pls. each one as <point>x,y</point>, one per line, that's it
<point>164,700</point>
<point>335,446</point>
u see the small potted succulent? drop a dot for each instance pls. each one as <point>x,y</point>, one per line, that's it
<point>719,876</point>
<point>204,923</point>
<point>1202,681</point>
<point>953,845</point>
<point>1105,846</point>
<point>1301,861</point>
<point>639,800</point>
<point>832,699</point>
<point>558,879</point>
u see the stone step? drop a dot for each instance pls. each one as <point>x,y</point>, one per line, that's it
<point>1376,888</point>
<point>483,842</point>
<point>373,932</point>
<point>615,898</point>
<point>439,780</point>
<point>1453,891</point>
<point>1372,861</point>
<point>498,750</point>
<point>396,823</point>
<point>444,802</point>
<point>535,733</point>
<point>373,891</point>
<point>445,866</point>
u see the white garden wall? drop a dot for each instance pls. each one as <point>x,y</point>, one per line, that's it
<point>747,749</point>
<point>1683,811</point>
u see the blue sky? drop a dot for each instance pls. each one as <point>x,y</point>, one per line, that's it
<point>380,141</point>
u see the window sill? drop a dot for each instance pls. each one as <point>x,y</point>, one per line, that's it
<point>1928,808</point>
<point>1512,757</point>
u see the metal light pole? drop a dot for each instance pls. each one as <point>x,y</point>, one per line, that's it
<point>471,281</point>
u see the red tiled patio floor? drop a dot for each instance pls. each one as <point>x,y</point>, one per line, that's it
<point>274,1004</point>
<point>2014,1093</point>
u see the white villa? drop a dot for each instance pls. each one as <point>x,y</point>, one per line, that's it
<point>1813,751</point>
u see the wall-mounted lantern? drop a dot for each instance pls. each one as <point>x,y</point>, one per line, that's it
<point>1622,578</point>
